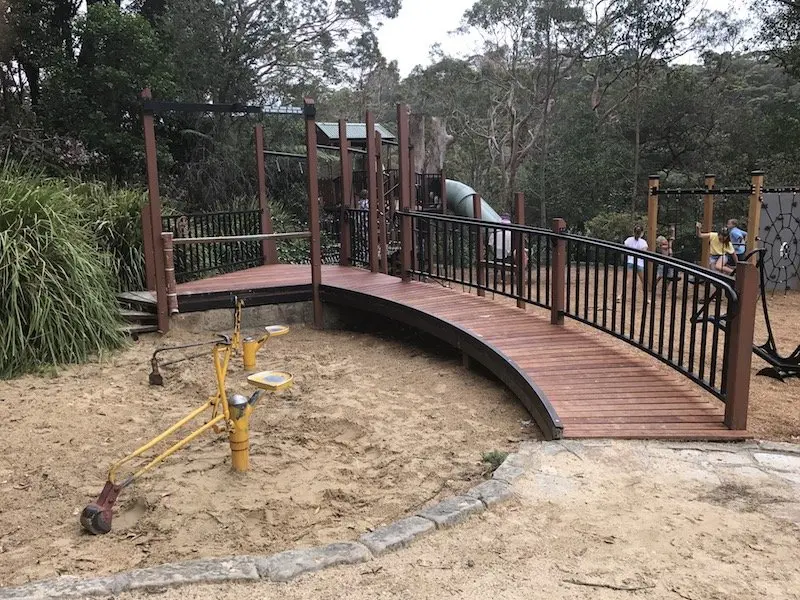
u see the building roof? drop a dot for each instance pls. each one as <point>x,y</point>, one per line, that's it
<point>355,131</point>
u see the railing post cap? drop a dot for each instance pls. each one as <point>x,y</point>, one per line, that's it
<point>710,176</point>
<point>654,177</point>
<point>756,172</point>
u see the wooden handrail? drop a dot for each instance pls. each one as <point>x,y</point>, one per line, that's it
<point>243,238</point>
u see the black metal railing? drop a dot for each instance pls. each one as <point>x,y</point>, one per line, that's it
<point>359,236</point>
<point>194,261</point>
<point>666,307</point>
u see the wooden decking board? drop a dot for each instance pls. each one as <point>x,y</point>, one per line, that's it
<point>597,389</point>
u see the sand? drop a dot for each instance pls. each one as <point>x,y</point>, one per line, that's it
<point>373,429</point>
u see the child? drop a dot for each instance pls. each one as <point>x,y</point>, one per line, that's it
<point>738,238</point>
<point>664,248</point>
<point>636,242</point>
<point>722,256</point>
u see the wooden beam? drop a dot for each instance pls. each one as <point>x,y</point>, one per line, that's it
<point>372,191</point>
<point>558,264</point>
<point>708,219</point>
<point>154,197</point>
<point>269,250</point>
<point>520,261</point>
<point>381,206</point>
<point>481,242</point>
<point>754,213</point>
<point>405,172</point>
<point>310,112</point>
<point>345,162</point>
<point>739,347</point>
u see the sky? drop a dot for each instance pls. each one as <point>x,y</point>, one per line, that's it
<point>422,23</point>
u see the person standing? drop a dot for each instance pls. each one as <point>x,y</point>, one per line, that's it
<point>635,263</point>
<point>738,238</point>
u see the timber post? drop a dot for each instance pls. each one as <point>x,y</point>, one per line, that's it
<point>346,168</point>
<point>521,262</point>
<point>739,347</point>
<point>372,190</point>
<point>481,243</point>
<point>404,169</point>
<point>383,245</point>
<point>269,250</point>
<point>754,213</point>
<point>310,113</point>
<point>155,214</point>
<point>558,276</point>
<point>149,253</point>
<point>708,219</point>
<point>169,272</point>
<point>652,228</point>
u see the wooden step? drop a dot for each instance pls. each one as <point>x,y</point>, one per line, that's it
<point>135,330</point>
<point>137,316</point>
<point>144,300</point>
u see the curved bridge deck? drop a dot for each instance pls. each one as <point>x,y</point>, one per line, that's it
<point>572,381</point>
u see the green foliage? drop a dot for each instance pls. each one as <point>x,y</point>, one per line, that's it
<point>494,459</point>
<point>113,216</point>
<point>58,304</point>
<point>613,226</point>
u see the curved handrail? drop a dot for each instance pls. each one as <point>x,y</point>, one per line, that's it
<point>606,285</point>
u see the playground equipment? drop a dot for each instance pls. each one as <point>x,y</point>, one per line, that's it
<point>231,414</point>
<point>780,228</point>
<point>459,200</point>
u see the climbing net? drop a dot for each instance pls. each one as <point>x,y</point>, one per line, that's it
<point>779,237</point>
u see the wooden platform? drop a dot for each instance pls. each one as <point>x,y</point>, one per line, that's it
<point>572,381</point>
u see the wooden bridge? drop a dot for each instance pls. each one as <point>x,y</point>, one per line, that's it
<point>573,382</point>
<point>654,347</point>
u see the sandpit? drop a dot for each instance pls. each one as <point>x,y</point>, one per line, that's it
<point>374,428</point>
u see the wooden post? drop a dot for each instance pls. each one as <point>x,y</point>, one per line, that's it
<point>739,348</point>
<point>442,193</point>
<point>346,168</point>
<point>708,219</point>
<point>754,213</point>
<point>269,249</point>
<point>404,168</point>
<point>412,180</point>
<point>149,253</point>
<point>383,247</point>
<point>652,229</point>
<point>155,214</point>
<point>372,187</point>
<point>169,272</point>
<point>479,253</point>
<point>521,263</point>
<point>310,112</point>
<point>558,264</point>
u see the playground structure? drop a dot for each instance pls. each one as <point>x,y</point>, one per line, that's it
<point>771,216</point>
<point>228,414</point>
<point>404,238</point>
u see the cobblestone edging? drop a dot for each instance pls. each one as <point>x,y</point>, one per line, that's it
<point>285,566</point>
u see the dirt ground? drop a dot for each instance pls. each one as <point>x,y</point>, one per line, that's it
<point>600,522</point>
<point>373,428</point>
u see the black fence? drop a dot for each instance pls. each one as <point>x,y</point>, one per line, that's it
<point>666,307</point>
<point>359,237</point>
<point>195,261</point>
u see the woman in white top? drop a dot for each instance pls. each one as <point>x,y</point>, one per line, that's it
<point>636,242</point>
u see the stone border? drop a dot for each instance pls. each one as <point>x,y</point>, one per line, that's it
<point>288,565</point>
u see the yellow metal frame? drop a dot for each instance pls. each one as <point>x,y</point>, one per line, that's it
<point>221,354</point>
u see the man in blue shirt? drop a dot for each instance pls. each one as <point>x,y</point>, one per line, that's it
<point>738,238</point>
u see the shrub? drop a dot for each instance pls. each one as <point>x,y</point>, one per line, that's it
<point>58,305</point>
<point>613,226</point>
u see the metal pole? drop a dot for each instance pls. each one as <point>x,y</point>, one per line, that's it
<point>155,214</point>
<point>169,271</point>
<point>310,112</point>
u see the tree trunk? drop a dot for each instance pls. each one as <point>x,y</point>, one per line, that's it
<point>430,140</point>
